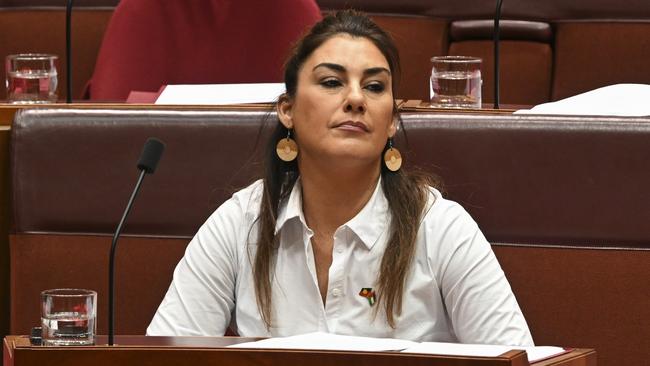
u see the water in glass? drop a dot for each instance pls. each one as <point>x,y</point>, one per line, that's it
<point>31,86</point>
<point>456,89</point>
<point>68,329</point>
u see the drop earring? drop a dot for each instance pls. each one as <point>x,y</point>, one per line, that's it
<point>392,157</point>
<point>287,149</point>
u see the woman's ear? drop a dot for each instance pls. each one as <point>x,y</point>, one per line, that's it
<point>284,108</point>
<point>393,127</point>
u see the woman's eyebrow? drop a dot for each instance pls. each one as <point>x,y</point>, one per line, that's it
<point>375,70</point>
<point>341,68</point>
<point>329,65</point>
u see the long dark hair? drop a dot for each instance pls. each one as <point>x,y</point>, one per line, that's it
<point>406,192</point>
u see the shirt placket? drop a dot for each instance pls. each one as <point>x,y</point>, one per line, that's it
<point>336,289</point>
<point>311,265</point>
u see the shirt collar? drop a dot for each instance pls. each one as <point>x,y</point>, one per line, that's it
<point>368,225</point>
<point>291,208</point>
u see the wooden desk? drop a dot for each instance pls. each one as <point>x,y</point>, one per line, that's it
<point>141,350</point>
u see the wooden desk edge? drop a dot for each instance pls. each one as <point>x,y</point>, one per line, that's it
<point>588,354</point>
<point>13,343</point>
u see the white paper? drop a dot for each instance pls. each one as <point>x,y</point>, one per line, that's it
<point>220,94</point>
<point>482,350</point>
<point>542,352</point>
<point>632,100</point>
<point>327,341</point>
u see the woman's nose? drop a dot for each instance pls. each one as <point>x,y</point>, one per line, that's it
<point>356,100</point>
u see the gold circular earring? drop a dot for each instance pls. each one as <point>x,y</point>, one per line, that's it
<point>392,157</point>
<point>287,149</point>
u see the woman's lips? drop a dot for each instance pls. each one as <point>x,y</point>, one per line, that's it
<point>352,126</point>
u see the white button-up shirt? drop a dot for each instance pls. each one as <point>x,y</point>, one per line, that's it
<point>455,291</point>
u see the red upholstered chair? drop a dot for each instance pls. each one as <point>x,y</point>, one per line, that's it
<point>150,43</point>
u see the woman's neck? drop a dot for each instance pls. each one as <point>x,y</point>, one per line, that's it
<point>331,197</point>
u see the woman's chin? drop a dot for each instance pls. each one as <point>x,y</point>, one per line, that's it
<point>345,159</point>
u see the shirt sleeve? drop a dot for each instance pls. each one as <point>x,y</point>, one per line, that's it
<point>477,295</point>
<point>201,297</point>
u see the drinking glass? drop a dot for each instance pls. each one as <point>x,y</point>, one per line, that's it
<point>456,82</point>
<point>31,78</point>
<point>68,317</point>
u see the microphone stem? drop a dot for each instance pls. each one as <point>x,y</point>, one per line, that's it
<point>111,261</point>
<point>497,75</point>
<point>68,51</point>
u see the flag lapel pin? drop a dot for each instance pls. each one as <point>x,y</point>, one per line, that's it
<point>369,294</point>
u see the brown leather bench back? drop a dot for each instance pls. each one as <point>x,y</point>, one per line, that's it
<point>543,179</point>
<point>74,170</point>
<point>564,200</point>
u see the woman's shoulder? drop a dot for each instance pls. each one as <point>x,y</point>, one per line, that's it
<point>441,212</point>
<point>244,203</point>
<point>439,203</point>
<point>448,230</point>
<point>232,224</point>
<point>251,193</point>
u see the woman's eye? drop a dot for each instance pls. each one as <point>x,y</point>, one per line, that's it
<point>330,83</point>
<point>376,87</point>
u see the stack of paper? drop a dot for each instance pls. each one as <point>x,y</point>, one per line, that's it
<point>327,341</point>
<point>615,100</point>
<point>219,94</point>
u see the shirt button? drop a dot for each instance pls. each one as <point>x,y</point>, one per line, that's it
<point>339,249</point>
<point>336,292</point>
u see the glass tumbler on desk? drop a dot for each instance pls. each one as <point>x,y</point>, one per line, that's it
<point>31,78</point>
<point>68,317</point>
<point>456,82</point>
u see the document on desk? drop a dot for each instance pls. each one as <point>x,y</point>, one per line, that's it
<point>630,100</point>
<point>483,350</point>
<point>327,341</point>
<point>220,94</point>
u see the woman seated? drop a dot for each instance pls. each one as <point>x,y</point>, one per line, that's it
<point>337,236</point>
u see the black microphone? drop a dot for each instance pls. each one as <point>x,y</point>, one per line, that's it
<point>68,50</point>
<point>149,158</point>
<point>497,75</point>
